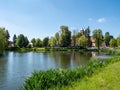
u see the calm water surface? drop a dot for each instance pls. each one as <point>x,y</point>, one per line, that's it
<point>16,67</point>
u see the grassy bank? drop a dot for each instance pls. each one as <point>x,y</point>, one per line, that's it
<point>107,79</point>
<point>58,78</point>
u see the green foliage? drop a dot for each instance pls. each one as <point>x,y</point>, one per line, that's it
<point>38,43</point>
<point>113,43</point>
<point>52,41</point>
<point>118,41</point>
<point>107,78</point>
<point>33,42</point>
<point>97,35</point>
<point>78,35</point>
<point>2,40</point>
<point>21,41</point>
<point>107,38</point>
<point>82,41</point>
<point>65,36</point>
<point>45,41</point>
<point>57,38</point>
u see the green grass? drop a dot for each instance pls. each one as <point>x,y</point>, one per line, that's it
<point>107,79</point>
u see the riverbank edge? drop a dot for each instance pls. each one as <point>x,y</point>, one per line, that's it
<point>60,77</point>
<point>47,49</point>
<point>106,78</point>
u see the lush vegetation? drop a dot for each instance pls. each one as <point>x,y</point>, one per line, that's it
<point>63,38</point>
<point>107,78</point>
<point>58,78</point>
<point>4,36</point>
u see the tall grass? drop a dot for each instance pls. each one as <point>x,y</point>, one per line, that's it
<point>42,80</point>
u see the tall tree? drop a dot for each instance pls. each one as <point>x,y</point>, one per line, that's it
<point>87,35</point>
<point>22,41</point>
<point>107,38</point>
<point>97,35</point>
<point>2,40</point>
<point>113,42</point>
<point>38,43</point>
<point>57,38</point>
<point>26,41</point>
<point>52,41</point>
<point>118,41</point>
<point>14,39</point>
<point>45,41</point>
<point>65,36</point>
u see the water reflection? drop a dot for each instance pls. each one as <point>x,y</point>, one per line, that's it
<point>70,59</point>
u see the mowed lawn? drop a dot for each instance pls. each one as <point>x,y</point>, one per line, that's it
<point>108,78</point>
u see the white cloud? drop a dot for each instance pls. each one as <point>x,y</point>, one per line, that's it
<point>101,20</point>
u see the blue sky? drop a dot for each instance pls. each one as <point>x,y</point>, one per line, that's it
<point>41,18</point>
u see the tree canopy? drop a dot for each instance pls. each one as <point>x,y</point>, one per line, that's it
<point>2,40</point>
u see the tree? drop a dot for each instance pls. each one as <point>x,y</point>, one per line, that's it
<point>38,43</point>
<point>33,42</point>
<point>45,41</point>
<point>97,35</point>
<point>52,42</point>
<point>113,43</point>
<point>14,39</point>
<point>87,35</point>
<point>82,41</point>
<point>57,38</point>
<point>22,41</point>
<point>118,41</point>
<point>26,41</point>
<point>107,38</point>
<point>2,40</point>
<point>65,36</point>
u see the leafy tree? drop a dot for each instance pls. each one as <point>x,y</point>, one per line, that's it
<point>33,42</point>
<point>118,41</point>
<point>65,36</point>
<point>26,41</point>
<point>78,35</point>
<point>14,39</point>
<point>107,38</point>
<point>2,40</point>
<point>87,35</point>
<point>82,41</point>
<point>113,43</point>
<point>45,41</point>
<point>38,43</point>
<point>57,38</point>
<point>97,35</point>
<point>22,41</point>
<point>52,41</point>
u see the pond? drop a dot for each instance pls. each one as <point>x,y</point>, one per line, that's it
<point>16,67</point>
